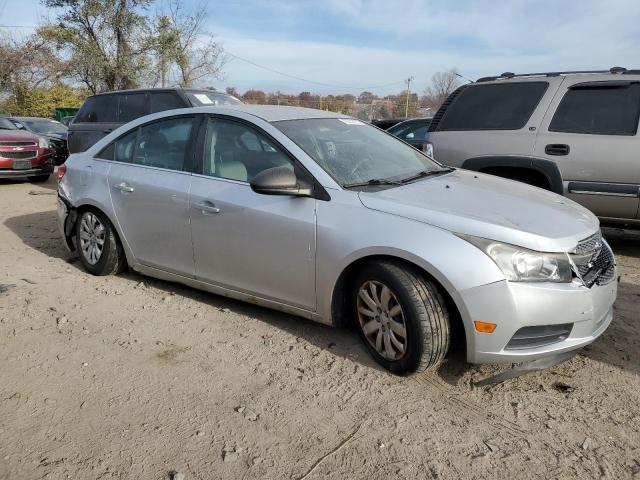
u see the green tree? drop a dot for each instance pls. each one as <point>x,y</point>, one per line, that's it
<point>105,42</point>
<point>40,102</point>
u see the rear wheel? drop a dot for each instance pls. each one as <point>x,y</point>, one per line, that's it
<point>98,245</point>
<point>401,316</point>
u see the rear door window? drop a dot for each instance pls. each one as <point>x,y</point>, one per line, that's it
<point>164,144</point>
<point>132,106</point>
<point>599,109</point>
<point>161,101</point>
<point>98,109</point>
<point>506,106</point>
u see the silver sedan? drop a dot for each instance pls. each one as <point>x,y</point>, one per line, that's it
<point>326,217</point>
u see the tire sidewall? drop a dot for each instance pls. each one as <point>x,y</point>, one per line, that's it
<point>410,361</point>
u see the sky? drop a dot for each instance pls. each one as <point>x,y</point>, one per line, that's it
<point>347,46</point>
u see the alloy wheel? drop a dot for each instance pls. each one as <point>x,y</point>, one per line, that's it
<point>92,237</point>
<point>382,320</point>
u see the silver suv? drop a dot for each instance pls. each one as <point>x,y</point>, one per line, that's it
<point>321,215</point>
<point>574,133</point>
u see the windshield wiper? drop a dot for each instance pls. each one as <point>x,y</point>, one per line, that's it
<point>425,173</point>
<point>373,181</point>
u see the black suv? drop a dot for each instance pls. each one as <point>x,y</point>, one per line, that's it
<point>101,114</point>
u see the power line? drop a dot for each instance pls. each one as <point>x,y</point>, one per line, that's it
<point>272,70</point>
<point>346,87</point>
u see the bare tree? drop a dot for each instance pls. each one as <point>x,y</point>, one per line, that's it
<point>442,84</point>
<point>185,48</point>
<point>27,64</point>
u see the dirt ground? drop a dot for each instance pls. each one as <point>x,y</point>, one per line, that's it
<point>129,377</point>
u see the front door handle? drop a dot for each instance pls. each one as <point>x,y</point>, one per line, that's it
<point>557,149</point>
<point>124,187</point>
<point>207,207</point>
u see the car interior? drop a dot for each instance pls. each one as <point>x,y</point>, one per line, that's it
<point>235,152</point>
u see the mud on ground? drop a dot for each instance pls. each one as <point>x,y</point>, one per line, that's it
<point>129,377</point>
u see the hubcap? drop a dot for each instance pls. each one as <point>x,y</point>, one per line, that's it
<point>92,236</point>
<point>382,320</point>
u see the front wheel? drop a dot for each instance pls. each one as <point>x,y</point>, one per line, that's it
<point>98,245</point>
<point>402,317</point>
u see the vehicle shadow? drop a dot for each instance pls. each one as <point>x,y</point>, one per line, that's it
<point>40,232</point>
<point>49,185</point>
<point>623,242</point>
<point>619,346</point>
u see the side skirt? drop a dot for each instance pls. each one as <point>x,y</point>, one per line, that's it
<point>227,292</point>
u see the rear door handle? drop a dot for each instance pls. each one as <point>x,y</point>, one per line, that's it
<point>107,130</point>
<point>207,207</point>
<point>557,149</point>
<point>124,187</point>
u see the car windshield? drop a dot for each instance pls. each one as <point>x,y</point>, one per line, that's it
<point>203,99</point>
<point>7,125</point>
<point>44,126</point>
<point>353,152</point>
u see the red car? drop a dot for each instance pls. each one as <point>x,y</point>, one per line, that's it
<point>24,154</point>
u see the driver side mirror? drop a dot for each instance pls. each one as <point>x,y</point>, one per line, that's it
<point>280,181</point>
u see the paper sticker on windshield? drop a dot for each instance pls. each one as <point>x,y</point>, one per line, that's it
<point>204,99</point>
<point>351,121</point>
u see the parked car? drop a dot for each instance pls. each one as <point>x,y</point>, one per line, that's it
<point>326,217</point>
<point>574,133</point>
<point>52,130</point>
<point>24,154</point>
<point>413,132</point>
<point>387,123</point>
<point>67,120</point>
<point>100,114</point>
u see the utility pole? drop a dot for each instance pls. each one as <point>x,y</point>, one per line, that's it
<point>406,108</point>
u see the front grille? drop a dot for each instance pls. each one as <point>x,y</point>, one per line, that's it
<point>17,155</point>
<point>17,144</point>
<point>594,261</point>
<point>539,336</point>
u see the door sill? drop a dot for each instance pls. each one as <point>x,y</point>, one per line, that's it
<point>228,292</point>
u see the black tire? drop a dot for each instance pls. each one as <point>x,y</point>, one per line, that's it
<point>39,178</point>
<point>424,313</point>
<point>112,259</point>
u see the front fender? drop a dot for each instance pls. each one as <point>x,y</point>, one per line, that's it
<point>349,232</point>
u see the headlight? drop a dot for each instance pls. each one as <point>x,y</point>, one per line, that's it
<point>519,264</point>
<point>43,143</point>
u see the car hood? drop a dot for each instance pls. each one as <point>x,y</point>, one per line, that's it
<point>56,136</point>
<point>490,207</point>
<point>17,136</point>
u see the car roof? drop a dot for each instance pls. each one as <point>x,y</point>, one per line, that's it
<point>618,73</point>
<point>161,89</point>
<point>411,121</point>
<point>35,118</point>
<point>273,113</point>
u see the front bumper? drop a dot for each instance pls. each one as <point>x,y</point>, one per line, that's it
<point>512,306</point>
<point>31,172</point>
<point>66,221</point>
